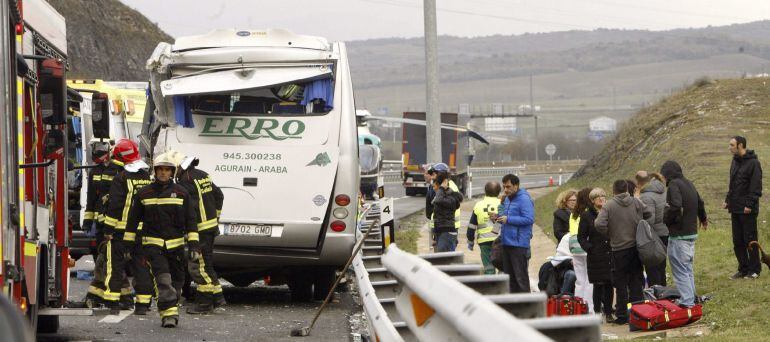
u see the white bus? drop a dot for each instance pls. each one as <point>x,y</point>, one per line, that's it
<point>270,115</point>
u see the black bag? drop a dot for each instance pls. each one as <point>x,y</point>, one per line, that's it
<point>651,249</point>
<point>661,292</point>
<point>496,255</point>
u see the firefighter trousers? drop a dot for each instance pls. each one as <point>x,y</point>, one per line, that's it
<point>167,268</point>
<point>201,270</point>
<point>111,283</point>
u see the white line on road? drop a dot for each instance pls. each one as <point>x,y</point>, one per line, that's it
<point>116,318</point>
<point>402,197</point>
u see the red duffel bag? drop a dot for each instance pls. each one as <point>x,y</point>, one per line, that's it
<point>662,314</point>
<point>566,305</point>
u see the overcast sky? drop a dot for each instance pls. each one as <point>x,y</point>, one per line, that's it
<point>363,19</point>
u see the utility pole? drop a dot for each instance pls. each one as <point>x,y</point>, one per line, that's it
<point>432,114</point>
<point>532,112</point>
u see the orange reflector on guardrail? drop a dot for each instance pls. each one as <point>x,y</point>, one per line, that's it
<point>422,311</point>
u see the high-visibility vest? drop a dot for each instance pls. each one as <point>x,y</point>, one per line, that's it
<point>485,231</point>
<point>454,188</point>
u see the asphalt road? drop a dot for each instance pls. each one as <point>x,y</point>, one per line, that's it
<point>406,205</point>
<point>256,313</point>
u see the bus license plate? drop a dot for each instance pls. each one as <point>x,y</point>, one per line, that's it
<point>249,229</point>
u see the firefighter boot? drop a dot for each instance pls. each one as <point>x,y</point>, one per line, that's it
<point>126,302</point>
<point>200,309</point>
<point>170,321</point>
<point>141,309</point>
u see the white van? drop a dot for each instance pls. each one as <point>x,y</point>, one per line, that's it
<point>270,115</point>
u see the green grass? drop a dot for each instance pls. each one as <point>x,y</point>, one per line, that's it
<point>693,127</point>
<point>408,232</point>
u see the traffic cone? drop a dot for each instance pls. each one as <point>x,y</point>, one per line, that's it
<point>550,181</point>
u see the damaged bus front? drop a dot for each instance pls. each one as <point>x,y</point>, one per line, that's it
<point>270,114</point>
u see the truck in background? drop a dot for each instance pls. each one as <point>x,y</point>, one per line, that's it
<point>455,146</point>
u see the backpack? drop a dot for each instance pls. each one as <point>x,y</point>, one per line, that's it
<point>651,250</point>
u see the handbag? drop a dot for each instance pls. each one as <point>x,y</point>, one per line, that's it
<point>496,254</point>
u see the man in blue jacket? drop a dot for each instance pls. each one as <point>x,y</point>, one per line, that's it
<point>517,216</point>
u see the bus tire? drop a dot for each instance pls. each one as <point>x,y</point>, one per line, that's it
<point>47,324</point>
<point>301,287</point>
<point>322,283</point>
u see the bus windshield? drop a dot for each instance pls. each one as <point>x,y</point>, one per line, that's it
<point>314,97</point>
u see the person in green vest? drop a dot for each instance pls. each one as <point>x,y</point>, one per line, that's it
<point>482,228</point>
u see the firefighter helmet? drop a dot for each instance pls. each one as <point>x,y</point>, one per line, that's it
<point>165,159</point>
<point>100,152</point>
<point>126,151</point>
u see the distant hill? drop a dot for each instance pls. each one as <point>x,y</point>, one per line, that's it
<point>383,62</point>
<point>107,39</point>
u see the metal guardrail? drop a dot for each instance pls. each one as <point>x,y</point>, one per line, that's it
<point>423,303</point>
<point>405,297</point>
<point>378,322</point>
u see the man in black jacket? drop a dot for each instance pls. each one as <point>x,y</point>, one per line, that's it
<point>742,202</point>
<point>684,209</point>
<point>445,205</point>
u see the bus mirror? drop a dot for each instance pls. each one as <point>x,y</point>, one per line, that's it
<point>53,92</point>
<point>100,116</point>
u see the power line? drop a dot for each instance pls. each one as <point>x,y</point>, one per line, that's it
<point>494,16</point>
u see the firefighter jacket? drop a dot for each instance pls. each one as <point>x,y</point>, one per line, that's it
<point>167,215</point>
<point>205,196</point>
<point>122,191</point>
<point>99,182</point>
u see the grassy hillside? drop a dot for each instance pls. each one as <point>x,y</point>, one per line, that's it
<point>694,127</point>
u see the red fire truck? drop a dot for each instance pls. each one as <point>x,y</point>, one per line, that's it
<point>34,227</point>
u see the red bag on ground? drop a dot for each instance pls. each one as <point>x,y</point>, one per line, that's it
<point>662,314</point>
<point>566,305</point>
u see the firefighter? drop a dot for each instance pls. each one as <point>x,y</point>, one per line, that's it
<point>99,180</point>
<point>132,177</point>
<point>167,215</point>
<point>207,199</point>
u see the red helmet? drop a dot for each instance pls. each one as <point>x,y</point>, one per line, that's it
<point>126,151</point>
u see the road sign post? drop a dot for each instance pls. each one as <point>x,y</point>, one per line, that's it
<point>550,150</point>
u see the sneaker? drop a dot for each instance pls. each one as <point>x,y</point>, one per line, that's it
<point>737,275</point>
<point>169,322</point>
<point>609,318</point>
<point>752,276</point>
<point>621,321</point>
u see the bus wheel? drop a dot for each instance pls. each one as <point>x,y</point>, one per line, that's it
<point>301,287</point>
<point>47,324</point>
<point>322,283</point>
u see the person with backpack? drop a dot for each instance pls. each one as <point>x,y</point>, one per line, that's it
<point>618,220</point>
<point>684,209</point>
<point>652,192</point>
<point>597,247</point>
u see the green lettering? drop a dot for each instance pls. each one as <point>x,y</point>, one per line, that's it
<point>260,126</point>
<point>234,126</point>
<point>209,125</point>
<point>300,127</point>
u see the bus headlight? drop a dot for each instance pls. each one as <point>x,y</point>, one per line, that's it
<point>340,213</point>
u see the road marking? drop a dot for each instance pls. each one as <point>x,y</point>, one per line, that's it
<point>116,318</point>
<point>402,197</point>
